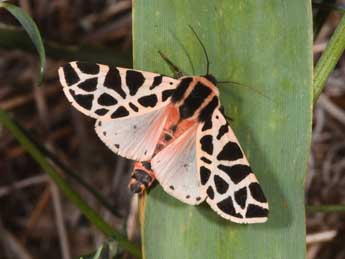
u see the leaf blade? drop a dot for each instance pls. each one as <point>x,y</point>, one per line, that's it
<point>31,28</point>
<point>265,45</point>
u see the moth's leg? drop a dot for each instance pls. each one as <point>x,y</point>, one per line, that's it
<point>175,69</point>
<point>141,178</point>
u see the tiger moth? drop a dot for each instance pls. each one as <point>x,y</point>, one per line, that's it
<point>175,128</point>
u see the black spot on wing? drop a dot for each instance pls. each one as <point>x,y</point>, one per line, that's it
<point>230,152</point>
<point>194,100</point>
<point>133,107</point>
<point>106,100</point>
<point>257,192</point>
<point>222,131</point>
<point>101,111</point>
<point>166,94</point>
<point>148,101</point>
<point>206,144</point>
<point>210,192</point>
<point>84,101</point>
<point>113,81</point>
<point>207,111</point>
<point>207,125</point>
<point>120,112</point>
<point>71,77</point>
<point>204,159</point>
<point>157,80</point>
<point>254,211</point>
<point>227,207</point>
<point>117,146</point>
<point>241,197</point>
<point>237,172</point>
<point>181,89</point>
<point>88,68</point>
<point>134,80</point>
<point>89,85</point>
<point>221,185</point>
<point>204,175</point>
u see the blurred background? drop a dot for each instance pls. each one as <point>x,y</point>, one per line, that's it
<point>36,221</point>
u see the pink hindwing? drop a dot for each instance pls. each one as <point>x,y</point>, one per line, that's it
<point>175,169</point>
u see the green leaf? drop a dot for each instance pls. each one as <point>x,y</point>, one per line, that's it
<point>263,44</point>
<point>33,32</point>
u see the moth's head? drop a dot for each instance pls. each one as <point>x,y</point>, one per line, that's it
<point>211,78</point>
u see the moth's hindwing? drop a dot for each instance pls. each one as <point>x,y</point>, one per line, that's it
<point>225,175</point>
<point>106,92</point>
<point>133,138</point>
<point>175,169</point>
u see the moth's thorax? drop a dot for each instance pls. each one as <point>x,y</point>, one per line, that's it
<point>196,98</point>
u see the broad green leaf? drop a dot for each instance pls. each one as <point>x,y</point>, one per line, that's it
<point>263,44</point>
<point>30,27</point>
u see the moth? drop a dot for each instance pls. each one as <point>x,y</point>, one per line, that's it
<point>177,131</point>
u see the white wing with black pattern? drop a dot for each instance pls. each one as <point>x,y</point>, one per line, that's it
<point>107,92</point>
<point>225,175</point>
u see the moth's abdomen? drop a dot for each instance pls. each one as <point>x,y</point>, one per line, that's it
<point>196,97</point>
<point>141,177</point>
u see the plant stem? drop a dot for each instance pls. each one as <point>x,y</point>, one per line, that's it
<point>69,172</point>
<point>15,38</point>
<point>74,197</point>
<point>325,208</point>
<point>329,58</point>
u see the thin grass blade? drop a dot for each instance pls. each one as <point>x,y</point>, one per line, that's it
<point>31,28</point>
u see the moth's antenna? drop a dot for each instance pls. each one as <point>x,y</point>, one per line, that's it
<point>204,49</point>
<point>184,50</point>
<point>246,86</point>
<point>175,69</point>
